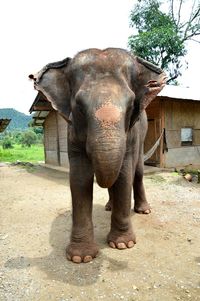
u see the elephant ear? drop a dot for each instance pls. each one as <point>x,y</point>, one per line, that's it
<point>148,82</point>
<point>53,82</point>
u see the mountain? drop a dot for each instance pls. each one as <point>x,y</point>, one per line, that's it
<point>19,121</point>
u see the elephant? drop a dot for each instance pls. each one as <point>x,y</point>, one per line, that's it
<point>103,94</point>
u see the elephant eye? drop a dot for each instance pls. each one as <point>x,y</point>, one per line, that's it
<point>80,108</point>
<point>80,105</point>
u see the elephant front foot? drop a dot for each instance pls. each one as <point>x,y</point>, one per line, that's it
<point>142,208</point>
<point>118,240</point>
<point>82,252</point>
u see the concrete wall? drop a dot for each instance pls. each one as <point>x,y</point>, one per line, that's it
<point>182,156</point>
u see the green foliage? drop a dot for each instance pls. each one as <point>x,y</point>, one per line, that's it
<point>21,150</point>
<point>161,36</point>
<point>25,154</point>
<point>147,15</point>
<point>21,137</point>
<point>17,137</point>
<point>7,143</point>
<point>38,129</point>
<point>30,124</point>
<point>28,138</point>
<point>40,138</point>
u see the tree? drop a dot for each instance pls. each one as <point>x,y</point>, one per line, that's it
<point>161,37</point>
<point>38,129</point>
<point>28,138</point>
<point>17,136</point>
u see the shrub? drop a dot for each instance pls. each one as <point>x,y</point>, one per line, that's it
<point>28,138</point>
<point>7,143</point>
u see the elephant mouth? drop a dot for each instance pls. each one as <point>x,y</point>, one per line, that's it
<point>106,181</point>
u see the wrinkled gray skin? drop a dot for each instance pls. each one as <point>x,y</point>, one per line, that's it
<point>103,95</point>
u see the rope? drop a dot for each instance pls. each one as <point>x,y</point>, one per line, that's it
<point>153,149</point>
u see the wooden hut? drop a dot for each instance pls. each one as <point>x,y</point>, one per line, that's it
<point>174,116</point>
<point>176,112</point>
<point>55,131</point>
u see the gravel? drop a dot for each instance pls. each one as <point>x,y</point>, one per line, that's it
<point>35,223</point>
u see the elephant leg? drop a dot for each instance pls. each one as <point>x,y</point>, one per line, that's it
<point>141,204</point>
<point>108,206</point>
<point>82,247</point>
<point>121,235</point>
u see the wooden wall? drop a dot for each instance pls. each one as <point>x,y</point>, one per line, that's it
<point>173,115</point>
<point>51,139</point>
<point>62,138</point>
<point>55,140</point>
<point>180,114</point>
<point>162,113</point>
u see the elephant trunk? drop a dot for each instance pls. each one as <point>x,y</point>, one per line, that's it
<point>107,155</point>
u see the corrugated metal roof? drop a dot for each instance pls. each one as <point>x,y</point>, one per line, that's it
<point>178,92</point>
<point>40,104</point>
<point>41,108</point>
<point>39,117</point>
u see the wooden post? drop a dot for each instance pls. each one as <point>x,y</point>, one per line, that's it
<point>162,113</point>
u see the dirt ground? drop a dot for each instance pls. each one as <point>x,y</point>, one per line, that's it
<point>35,223</point>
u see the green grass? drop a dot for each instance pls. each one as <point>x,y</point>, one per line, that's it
<point>34,153</point>
<point>156,178</point>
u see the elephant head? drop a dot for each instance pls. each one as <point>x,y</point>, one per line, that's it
<point>101,93</point>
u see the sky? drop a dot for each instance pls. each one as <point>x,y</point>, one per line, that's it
<point>35,33</point>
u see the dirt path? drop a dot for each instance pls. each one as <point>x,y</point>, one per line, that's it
<point>35,222</point>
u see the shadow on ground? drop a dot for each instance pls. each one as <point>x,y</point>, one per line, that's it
<point>60,177</point>
<point>55,265</point>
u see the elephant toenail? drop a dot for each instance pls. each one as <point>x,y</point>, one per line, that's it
<point>112,245</point>
<point>130,244</point>
<point>121,246</point>
<point>76,259</point>
<point>87,259</point>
